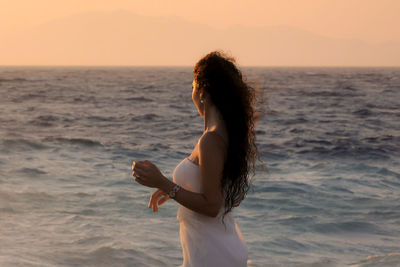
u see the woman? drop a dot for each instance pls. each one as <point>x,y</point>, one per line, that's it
<point>214,178</point>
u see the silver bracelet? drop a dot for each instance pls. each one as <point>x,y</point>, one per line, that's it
<point>172,193</point>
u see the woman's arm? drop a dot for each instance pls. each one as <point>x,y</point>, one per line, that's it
<point>211,161</point>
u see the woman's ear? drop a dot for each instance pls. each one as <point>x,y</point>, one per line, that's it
<point>203,95</point>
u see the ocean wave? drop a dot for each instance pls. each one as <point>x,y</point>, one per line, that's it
<point>321,263</point>
<point>364,149</point>
<point>274,155</point>
<point>386,215</point>
<point>281,189</point>
<point>92,240</point>
<point>347,227</point>
<point>388,111</point>
<point>29,96</point>
<point>331,94</point>
<point>317,74</point>
<point>6,209</point>
<point>382,139</point>
<point>291,244</point>
<point>107,255</point>
<point>74,141</point>
<point>83,195</point>
<point>18,80</point>
<point>84,99</point>
<point>294,220</point>
<point>339,189</point>
<point>360,152</point>
<point>105,118</point>
<point>44,120</point>
<point>139,99</point>
<point>25,196</point>
<point>32,171</point>
<point>12,80</point>
<point>22,144</point>
<point>364,112</point>
<point>47,118</point>
<point>388,260</point>
<point>387,172</point>
<point>146,117</point>
<point>300,120</point>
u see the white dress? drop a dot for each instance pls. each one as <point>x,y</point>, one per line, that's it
<point>206,241</point>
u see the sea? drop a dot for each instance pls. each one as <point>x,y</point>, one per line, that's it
<point>326,191</point>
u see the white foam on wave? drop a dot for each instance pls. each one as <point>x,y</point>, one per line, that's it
<point>389,260</point>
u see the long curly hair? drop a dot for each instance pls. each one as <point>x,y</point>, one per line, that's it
<point>217,74</point>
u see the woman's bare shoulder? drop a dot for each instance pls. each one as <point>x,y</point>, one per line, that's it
<point>213,137</point>
<point>213,142</point>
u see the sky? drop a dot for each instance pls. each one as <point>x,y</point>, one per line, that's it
<point>371,22</point>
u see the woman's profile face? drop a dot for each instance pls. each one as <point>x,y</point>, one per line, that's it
<point>196,97</point>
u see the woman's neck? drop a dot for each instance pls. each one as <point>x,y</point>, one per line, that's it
<point>212,119</point>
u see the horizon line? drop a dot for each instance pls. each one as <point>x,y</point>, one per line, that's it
<point>186,66</point>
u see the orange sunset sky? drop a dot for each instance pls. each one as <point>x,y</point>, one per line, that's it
<point>172,32</point>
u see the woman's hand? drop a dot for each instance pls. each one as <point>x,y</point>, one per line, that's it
<point>147,174</point>
<point>158,198</point>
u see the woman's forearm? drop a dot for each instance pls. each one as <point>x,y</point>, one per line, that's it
<point>197,202</point>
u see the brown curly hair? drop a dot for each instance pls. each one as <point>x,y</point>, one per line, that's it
<point>217,74</point>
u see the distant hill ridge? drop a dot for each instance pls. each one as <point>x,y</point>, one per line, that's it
<point>124,38</point>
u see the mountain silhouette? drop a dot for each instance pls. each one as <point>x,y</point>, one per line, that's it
<point>121,37</point>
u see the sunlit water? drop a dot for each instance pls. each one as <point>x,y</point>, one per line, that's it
<point>68,136</point>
